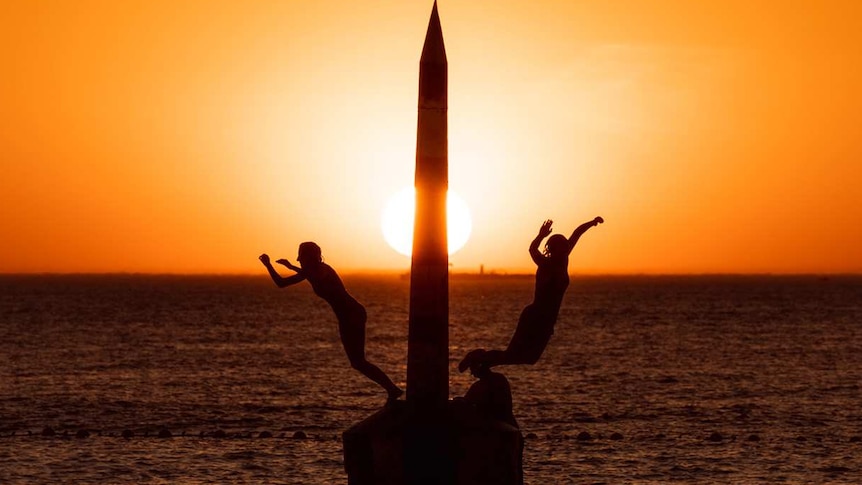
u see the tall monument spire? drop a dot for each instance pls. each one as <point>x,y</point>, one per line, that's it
<point>428,345</point>
<point>431,440</point>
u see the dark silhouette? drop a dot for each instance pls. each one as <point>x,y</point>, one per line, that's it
<point>491,395</point>
<point>350,313</point>
<point>536,324</point>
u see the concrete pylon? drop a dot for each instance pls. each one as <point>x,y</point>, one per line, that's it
<point>430,440</point>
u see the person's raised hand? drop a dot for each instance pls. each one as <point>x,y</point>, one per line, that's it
<point>264,258</point>
<point>546,228</point>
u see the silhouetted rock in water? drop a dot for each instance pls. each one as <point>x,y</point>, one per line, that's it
<point>127,433</point>
<point>300,435</point>
<point>855,439</point>
<point>584,436</point>
<point>165,433</point>
<point>716,437</point>
<point>265,434</point>
<point>82,433</point>
<point>616,436</point>
<point>801,439</point>
<point>754,437</point>
<point>219,434</point>
<point>48,431</point>
<point>531,436</point>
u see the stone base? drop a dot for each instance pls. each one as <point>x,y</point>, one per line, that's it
<point>398,446</point>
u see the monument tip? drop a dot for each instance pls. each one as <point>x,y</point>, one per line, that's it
<point>434,51</point>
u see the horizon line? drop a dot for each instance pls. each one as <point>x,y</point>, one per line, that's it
<point>394,272</point>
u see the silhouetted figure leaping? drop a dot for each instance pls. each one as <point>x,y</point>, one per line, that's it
<point>536,324</point>
<point>350,313</point>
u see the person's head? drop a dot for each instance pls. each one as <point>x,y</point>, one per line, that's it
<point>557,245</point>
<point>478,367</point>
<point>309,253</point>
<point>480,371</point>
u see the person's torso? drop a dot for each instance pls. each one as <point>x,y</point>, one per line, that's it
<point>552,280</point>
<point>328,285</point>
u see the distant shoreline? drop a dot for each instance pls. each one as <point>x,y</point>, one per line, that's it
<point>452,275</point>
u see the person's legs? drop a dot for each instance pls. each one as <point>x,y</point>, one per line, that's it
<point>353,340</point>
<point>526,346</point>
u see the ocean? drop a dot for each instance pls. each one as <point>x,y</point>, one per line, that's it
<point>648,379</point>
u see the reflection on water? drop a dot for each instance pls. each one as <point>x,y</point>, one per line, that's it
<point>647,380</point>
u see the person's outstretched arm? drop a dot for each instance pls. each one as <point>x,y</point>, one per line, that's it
<point>580,230</point>
<point>289,265</point>
<point>544,231</point>
<point>280,281</point>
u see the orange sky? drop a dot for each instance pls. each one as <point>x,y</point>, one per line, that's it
<point>178,136</point>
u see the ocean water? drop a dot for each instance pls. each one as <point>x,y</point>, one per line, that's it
<point>675,379</point>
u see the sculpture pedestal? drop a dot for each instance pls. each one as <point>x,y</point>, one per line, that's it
<point>399,446</point>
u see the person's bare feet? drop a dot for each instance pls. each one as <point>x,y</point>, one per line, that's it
<point>394,394</point>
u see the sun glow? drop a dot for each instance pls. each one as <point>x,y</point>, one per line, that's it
<point>399,212</point>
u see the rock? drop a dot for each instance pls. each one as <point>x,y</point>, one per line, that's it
<point>716,437</point>
<point>219,434</point>
<point>531,436</point>
<point>82,433</point>
<point>265,434</point>
<point>616,436</point>
<point>300,435</point>
<point>584,436</point>
<point>754,437</point>
<point>48,431</point>
<point>855,439</point>
<point>127,433</point>
<point>165,433</point>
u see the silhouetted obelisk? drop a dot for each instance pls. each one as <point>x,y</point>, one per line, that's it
<point>428,344</point>
<point>431,440</point>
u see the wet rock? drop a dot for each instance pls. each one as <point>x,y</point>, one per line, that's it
<point>165,433</point>
<point>584,436</point>
<point>127,433</point>
<point>300,435</point>
<point>754,437</point>
<point>531,436</point>
<point>219,434</point>
<point>616,436</point>
<point>265,434</point>
<point>716,437</point>
<point>801,439</point>
<point>48,431</point>
<point>82,434</point>
<point>855,439</point>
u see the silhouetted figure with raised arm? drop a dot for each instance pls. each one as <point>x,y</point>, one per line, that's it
<point>536,324</point>
<point>350,313</point>
<point>491,395</point>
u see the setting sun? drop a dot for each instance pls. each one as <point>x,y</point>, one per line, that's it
<point>397,221</point>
